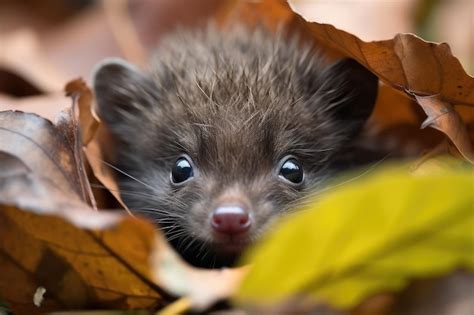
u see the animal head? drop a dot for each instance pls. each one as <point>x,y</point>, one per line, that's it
<point>226,132</point>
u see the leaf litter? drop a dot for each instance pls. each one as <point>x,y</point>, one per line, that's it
<point>120,262</point>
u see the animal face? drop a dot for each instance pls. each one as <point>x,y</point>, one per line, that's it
<point>227,132</point>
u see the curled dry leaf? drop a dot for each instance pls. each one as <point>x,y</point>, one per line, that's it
<point>91,133</point>
<point>405,62</point>
<point>103,171</point>
<point>95,139</point>
<point>44,149</point>
<point>82,96</point>
<point>443,116</point>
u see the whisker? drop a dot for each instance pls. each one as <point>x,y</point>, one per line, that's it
<point>179,234</point>
<point>202,249</point>
<point>121,190</point>
<point>154,210</point>
<point>183,241</point>
<point>193,240</point>
<point>124,173</point>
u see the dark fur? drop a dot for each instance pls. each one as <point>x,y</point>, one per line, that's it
<point>236,103</point>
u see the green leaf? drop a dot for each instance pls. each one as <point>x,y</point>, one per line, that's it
<point>368,236</point>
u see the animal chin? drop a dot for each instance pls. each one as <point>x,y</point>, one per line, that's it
<point>211,253</point>
<point>231,244</point>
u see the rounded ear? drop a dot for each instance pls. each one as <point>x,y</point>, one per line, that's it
<point>350,90</point>
<point>121,90</point>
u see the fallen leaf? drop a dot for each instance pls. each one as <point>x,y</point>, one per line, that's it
<point>405,62</point>
<point>43,149</point>
<point>442,116</point>
<point>328,254</point>
<point>81,258</point>
<point>96,140</point>
<point>51,238</point>
<point>103,170</point>
<point>82,96</point>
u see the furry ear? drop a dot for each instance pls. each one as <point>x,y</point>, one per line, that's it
<point>121,91</point>
<point>350,90</point>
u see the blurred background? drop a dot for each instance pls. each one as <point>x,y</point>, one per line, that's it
<point>51,41</point>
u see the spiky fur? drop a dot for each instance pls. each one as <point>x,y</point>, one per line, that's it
<point>236,103</point>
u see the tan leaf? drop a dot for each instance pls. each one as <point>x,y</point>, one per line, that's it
<point>103,171</point>
<point>443,116</point>
<point>82,95</point>
<point>44,149</point>
<point>96,141</point>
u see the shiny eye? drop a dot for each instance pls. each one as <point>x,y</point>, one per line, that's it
<point>292,171</point>
<point>182,171</point>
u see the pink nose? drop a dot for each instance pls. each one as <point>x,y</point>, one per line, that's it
<point>230,219</point>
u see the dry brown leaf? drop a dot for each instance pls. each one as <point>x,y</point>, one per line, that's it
<point>96,141</point>
<point>405,62</point>
<point>82,96</point>
<point>395,125</point>
<point>103,171</point>
<point>442,116</point>
<point>82,258</point>
<point>51,238</point>
<point>44,149</point>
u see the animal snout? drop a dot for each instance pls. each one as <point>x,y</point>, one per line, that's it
<point>231,219</point>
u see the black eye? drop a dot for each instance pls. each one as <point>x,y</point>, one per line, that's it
<point>182,171</point>
<point>292,171</point>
